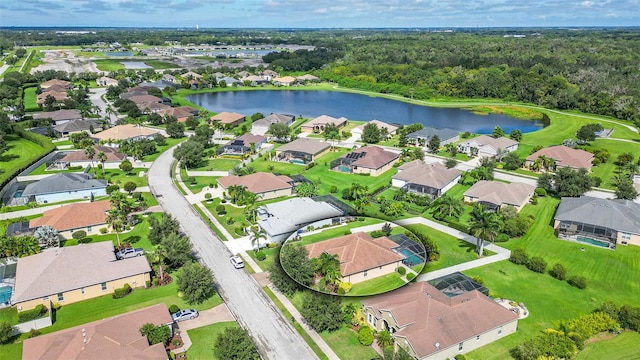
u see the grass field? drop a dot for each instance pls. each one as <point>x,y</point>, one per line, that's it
<point>377,286</point>
<point>20,153</point>
<point>108,64</point>
<point>158,64</point>
<point>117,176</point>
<point>170,143</point>
<point>611,276</point>
<point>233,212</point>
<point>204,338</point>
<point>30,98</point>
<point>219,164</point>
<point>622,347</point>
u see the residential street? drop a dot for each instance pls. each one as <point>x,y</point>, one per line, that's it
<point>95,95</point>
<point>274,336</point>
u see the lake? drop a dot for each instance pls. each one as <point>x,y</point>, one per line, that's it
<point>310,103</point>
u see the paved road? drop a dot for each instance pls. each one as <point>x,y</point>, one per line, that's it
<point>274,336</point>
<point>96,99</point>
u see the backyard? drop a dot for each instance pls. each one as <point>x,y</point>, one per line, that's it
<point>204,338</point>
<point>21,152</point>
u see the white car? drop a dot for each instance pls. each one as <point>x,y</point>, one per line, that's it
<point>237,262</point>
<point>185,314</point>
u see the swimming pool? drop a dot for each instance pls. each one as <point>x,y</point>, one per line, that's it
<point>343,168</point>
<point>296,161</point>
<point>411,257</point>
<point>590,241</point>
<point>5,294</point>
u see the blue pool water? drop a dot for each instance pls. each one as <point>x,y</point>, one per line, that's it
<point>18,194</point>
<point>588,240</point>
<point>297,161</point>
<point>412,258</point>
<point>343,168</point>
<point>5,294</point>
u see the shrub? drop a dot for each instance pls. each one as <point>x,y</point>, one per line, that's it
<point>238,231</point>
<point>541,192</point>
<point>32,314</point>
<point>80,234</point>
<point>260,256</point>
<point>112,188</point>
<point>147,284</point>
<point>344,287</point>
<point>502,237</point>
<point>33,333</point>
<point>411,276</point>
<point>220,209</point>
<point>333,189</point>
<point>137,196</point>
<point>174,309</point>
<point>519,256</point>
<point>121,292</point>
<point>578,281</point>
<point>103,230</point>
<point>461,357</point>
<point>401,270</point>
<point>477,279</point>
<point>310,165</point>
<point>377,234</point>
<point>537,264</point>
<point>6,331</point>
<point>85,240</point>
<point>459,226</point>
<point>558,271</point>
<point>207,196</point>
<point>365,336</point>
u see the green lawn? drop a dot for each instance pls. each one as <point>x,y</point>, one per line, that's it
<point>218,164</point>
<point>30,98</point>
<point>117,176</point>
<point>611,276</point>
<point>170,143</point>
<point>42,170</point>
<point>233,212</point>
<point>377,286</point>
<point>204,338</point>
<point>345,344</point>
<point>625,346</point>
<point>20,153</point>
<point>109,64</point>
<point>200,183</point>
<point>137,237</point>
<point>158,64</point>
<point>263,165</point>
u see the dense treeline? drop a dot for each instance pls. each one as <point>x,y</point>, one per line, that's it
<point>302,60</point>
<point>593,71</point>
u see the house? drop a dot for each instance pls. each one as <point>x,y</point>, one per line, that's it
<point>228,119</point>
<point>79,158</point>
<point>145,99</point>
<point>125,132</point>
<point>317,125</point>
<point>608,222</point>
<point>361,256</point>
<point>284,81</point>
<point>270,74</point>
<point>265,185</point>
<point>76,126</point>
<point>487,146</point>
<point>106,81</point>
<point>170,78</point>
<point>261,126</point>
<point>563,156</point>
<point>372,160</point>
<point>307,78</point>
<point>302,150</point>
<point>64,186</point>
<point>59,116</point>
<point>496,195</point>
<point>53,82</point>
<point>390,129</point>
<point>160,84</point>
<point>228,81</point>
<point>281,219</point>
<point>70,218</point>
<point>430,325</point>
<point>422,136</point>
<point>182,113</point>
<point>424,179</point>
<point>117,337</point>
<point>74,273</point>
<point>242,144</point>
<point>57,95</point>
<point>254,80</point>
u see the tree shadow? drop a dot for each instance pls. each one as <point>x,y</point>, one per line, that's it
<point>468,247</point>
<point>8,157</point>
<point>133,239</point>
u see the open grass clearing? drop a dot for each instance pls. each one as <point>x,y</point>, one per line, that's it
<point>218,164</point>
<point>20,153</point>
<point>119,177</point>
<point>170,143</point>
<point>203,339</point>
<point>235,217</point>
<point>42,170</point>
<point>30,98</point>
<point>625,346</point>
<point>378,285</point>
<point>160,65</point>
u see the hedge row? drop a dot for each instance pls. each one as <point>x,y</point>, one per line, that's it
<point>32,314</point>
<point>537,264</point>
<point>33,137</point>
<point>122,292</point>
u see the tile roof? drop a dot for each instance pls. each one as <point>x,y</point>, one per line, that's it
<point>429,317</point>
<point>58,270</point>
<point>380,124</point>
<point>77,125</point>
<point>117,337</point>
<point>325,119</point>
<point>179,112</point>
<point>73,216</point>
<point>59,115</point>
<point>63,182</point>
<point>142,99</point>
<point>565,156</point>
<point>52,82</point>
<point>496,192</point>
<point>247,139</point>
<point>357,252</point>
<point>284,79</point>
<point>257,183</point>
<point>307,77</point>
<point>374,157</point>
<point>305,145</point>
<point>273,119</point>
<point>124,132</point>
<point>428,133</point>
<point>496,143</point>
<point>620,215</point>
<point>112,155</point>
<point>288,215</point>
<point>228,117</point>
<point>433,175</point>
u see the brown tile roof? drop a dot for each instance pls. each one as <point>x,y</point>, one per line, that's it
<point>53,82</point>
<point>112,155</point>
<point>181,112</point>
<point>305,145</point>
<point>284,79</point>
<point>124,132</point>
<point>432,318</point>
<point>434,175</point>
<point>325,119</point>
<point>496,143</point>
<point>59,115</point>
<point>73,216</point>
<point>307,77</point>
<point>380,124</point>
<point>357,252</point>
<point>565,156</point>
<point>58,88</point>
<point>142,99</point>
<point>273,119</point>
<point>59,270</point>
<point>227,117</point>
<point>59,96</point>
<point>374,157</point>
<point>117,337</point>
<point>153,106</point>
<point>499,193</point>
<point>258,182</point>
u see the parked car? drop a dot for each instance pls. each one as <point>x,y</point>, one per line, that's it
<point>185,314</point>
<point>129,253</point>
<point>237,262</point>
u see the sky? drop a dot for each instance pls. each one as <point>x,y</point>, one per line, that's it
<point>319,13</point>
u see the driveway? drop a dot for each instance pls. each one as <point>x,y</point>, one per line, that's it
<point>214,315</point>
<point>254,311</point>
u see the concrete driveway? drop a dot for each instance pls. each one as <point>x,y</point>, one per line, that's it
<point>214,315</point>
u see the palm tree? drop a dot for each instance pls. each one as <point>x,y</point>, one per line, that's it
<point>384,339</point>
<point>159,255</point>
<point>102,157</point>
<point>235,192</point>
<point>536,165</point>
<point>484,225</point>
<point>90,153</point>
<point>257,233</point>
<point>361,204</point>
<point>325,261</point>
<point>447,204</point>
<point>332,275</point>
<point>358,191</point>
<point>118,212</point>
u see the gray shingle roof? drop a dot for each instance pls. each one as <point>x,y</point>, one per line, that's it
<point>428,133</point>
<point>620,215</point>
<point>288,215</point>
<point>63,182</point>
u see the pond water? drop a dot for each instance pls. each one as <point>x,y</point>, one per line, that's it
<point>310,103</point>
<point>119,53</point>
<point>135,65</point>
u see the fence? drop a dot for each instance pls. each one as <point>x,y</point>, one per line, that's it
<point>40,323</point>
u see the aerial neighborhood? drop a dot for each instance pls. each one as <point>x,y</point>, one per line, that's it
<point>255,197</point>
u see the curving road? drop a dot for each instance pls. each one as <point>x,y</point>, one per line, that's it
<point>274,336</point>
